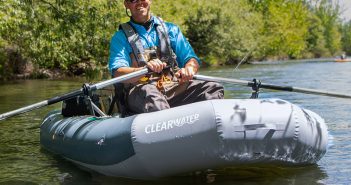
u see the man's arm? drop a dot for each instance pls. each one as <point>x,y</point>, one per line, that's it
<point>189,70</point>
<point>125,70</point>
<point>154,65</point>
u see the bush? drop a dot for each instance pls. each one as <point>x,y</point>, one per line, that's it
<point>224,31</point>
<point>61,34</point>
<point>346,38</point>
<point>57,34</point>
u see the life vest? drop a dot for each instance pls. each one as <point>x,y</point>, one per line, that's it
<point>164,52</point>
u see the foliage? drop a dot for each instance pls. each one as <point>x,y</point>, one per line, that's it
<point>2,61</point>
<point>59,34</point>
<point>225,34</point>
<point>175,11</point>
<point>315,40</point>
<point>285,28</point>
<point>329,14</point>
<point>346,38</point>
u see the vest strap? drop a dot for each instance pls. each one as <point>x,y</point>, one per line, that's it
<point>166,52</point>
<point>135,42</point>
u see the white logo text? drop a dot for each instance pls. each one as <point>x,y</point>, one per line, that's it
<point>166,125</point>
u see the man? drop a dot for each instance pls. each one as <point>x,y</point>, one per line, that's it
<point>147,40</point>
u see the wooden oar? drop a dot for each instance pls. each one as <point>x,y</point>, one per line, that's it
<point>73,94</point>
<point>271,86</point>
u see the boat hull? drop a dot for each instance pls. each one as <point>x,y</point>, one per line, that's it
<point>198,136</point>
<point>342,60</point>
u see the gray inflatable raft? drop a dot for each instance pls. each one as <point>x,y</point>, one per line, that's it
<point>198,136</point>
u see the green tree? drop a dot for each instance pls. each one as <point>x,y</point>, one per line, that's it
<point>63,33</point>
<point>329,14</point>
<point>224,31</point>
<point>60,33</point>
<point>316,46</point>
<point>346,38</point>
<point>286,28</point>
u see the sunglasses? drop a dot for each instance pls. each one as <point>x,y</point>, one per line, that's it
<point>135,1</point>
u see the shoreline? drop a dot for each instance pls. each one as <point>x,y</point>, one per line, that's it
<point>99,71</point>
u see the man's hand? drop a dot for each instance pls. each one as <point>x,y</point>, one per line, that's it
<point>156,65</point>
<point>186,74</point>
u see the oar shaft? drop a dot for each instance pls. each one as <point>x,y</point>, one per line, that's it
<point>303,90</point>
<point>121,78</point>
<point>73,94</point>
<point>271,86</point>
<point>320,92</point>
<point>65,97</point>
<point>221,80</point>
<point>23,109</point>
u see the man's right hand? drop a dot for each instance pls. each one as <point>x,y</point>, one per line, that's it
<point>156,65</point>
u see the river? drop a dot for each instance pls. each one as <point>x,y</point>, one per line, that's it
<point>23,161</point>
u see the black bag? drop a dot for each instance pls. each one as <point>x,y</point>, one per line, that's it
<point>79,106</point>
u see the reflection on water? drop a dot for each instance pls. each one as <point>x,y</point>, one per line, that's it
<point>23,161</point>
<point>240,175</point>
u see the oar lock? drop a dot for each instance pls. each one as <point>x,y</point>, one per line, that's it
<point>87,90</point>
<point>255,85</point>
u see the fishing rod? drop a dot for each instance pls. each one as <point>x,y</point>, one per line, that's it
<point>85,90</point>
<point>243,59</point>
<point>271,86</point>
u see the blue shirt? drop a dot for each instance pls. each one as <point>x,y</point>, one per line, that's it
<point>120,48</point>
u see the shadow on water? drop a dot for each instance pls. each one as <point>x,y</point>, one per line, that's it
<point>269,175</point>
<point>70,174</point>
<point>53,169</point>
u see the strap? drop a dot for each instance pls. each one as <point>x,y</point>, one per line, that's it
<point>120,99</point>
<point>167,53</point>
<point>135,42</point>
<point>163,80</point>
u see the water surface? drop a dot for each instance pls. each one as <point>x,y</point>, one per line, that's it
<point>23,161</point>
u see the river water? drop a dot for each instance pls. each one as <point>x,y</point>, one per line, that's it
<point>23,161</point>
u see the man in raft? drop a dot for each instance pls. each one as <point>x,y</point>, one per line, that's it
<point>161,46</point>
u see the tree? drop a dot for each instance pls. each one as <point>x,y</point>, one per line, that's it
<point>61,33</point>
<point>346,38</point>
<point>329,14</point>
<point>224,31</point>
<point>286,27</point>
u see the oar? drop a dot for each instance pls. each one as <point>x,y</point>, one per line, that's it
<point>271,86</point>
<point>73,94</point>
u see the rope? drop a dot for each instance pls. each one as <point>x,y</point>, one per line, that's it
<point>163,80</point>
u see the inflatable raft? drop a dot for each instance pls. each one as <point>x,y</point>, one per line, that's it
<point>199,136</point>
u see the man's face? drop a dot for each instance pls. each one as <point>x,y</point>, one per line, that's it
<point>140,9</point>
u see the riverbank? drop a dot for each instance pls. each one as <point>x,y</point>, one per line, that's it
<point>26,70</point>
<point>293,60</point>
